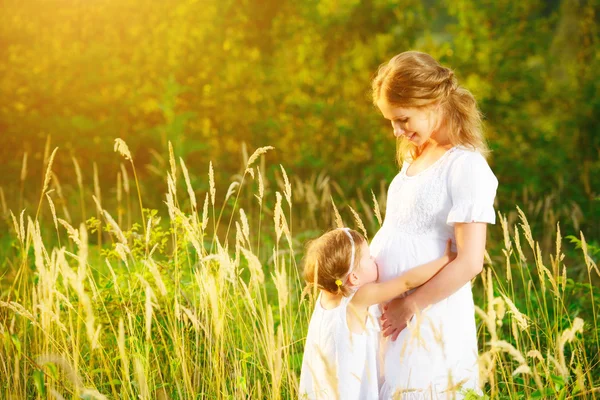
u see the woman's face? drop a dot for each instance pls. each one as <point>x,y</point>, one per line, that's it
<point>417,125</point>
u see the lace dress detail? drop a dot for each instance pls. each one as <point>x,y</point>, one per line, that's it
<point>415,201</point>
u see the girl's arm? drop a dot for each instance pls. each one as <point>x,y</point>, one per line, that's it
<point>375,293</point>
<point>470,244</point>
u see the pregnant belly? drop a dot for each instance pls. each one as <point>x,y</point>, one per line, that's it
<point>439,341</point>
<point>396,252</point>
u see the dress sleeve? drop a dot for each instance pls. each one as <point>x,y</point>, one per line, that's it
<point>472,186</point>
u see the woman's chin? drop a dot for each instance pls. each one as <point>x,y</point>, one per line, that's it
<point>404,139</point>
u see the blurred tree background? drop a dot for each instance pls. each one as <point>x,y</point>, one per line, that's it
<point>210,75</point>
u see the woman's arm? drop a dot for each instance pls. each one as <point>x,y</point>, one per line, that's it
<point>470,244</point>
<point>375,293</point>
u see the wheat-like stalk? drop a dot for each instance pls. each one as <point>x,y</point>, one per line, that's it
<point>359,222</point>
<point>257,153</point>
<point>504,346</point>
<point>69,370</point>
<point>24,168</point>
<point>231,190</point>
<point>188,184</point>
<point>211,183</point>
<point>261,187</point>
<point>122,148</point>
<point>140,377</point>
<point>205,213</point>
<point>245,226</point>
<point>255,267</point>
<point>125,178</point>
<point>149,305</point>
<point>588,260</point>
<point>47,177</point>
<point>376,208</point>
<point>277,216</point>
<point>172,163</point>
<point>522,320</point>
<point>526,229</point>
<point>19,309</point>
<point>73,233</point>
<point>17,227</point>
<point>338,218</point>
<point>567,336</point>
<point>287,192</point>
<point>280,280</point>
<point>53,210</point>
<point>517,237</point>
<point>116,228</point>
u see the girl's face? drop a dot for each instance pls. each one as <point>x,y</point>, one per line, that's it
<point>367,268</point>
<point>418,125</point>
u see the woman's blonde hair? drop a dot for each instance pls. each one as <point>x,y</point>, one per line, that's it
<point>416,80</point>
<point>327,260</point>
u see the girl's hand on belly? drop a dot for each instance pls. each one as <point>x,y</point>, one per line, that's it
<point>396,315</point>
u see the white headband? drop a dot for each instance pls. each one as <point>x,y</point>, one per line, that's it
<point>347,231</point>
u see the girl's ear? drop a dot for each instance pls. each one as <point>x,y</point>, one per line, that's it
<point>353,279</point>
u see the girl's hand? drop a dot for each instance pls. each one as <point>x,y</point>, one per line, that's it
<point>451,255</point>
<point>396,315</point>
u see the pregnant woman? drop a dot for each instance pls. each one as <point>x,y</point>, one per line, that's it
<point>445,189</point>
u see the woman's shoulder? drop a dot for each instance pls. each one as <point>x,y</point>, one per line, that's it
<point>469,164</point>
<point>463,156</point>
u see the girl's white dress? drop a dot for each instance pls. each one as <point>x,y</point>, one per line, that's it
<point>337,363</point>
<point>438,350</point>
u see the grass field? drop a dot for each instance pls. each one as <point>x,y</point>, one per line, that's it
<point>202,298</point>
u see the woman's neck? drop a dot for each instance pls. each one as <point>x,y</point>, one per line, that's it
<point>440,137</point>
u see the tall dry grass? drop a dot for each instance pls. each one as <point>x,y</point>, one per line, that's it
<point>204,299</point>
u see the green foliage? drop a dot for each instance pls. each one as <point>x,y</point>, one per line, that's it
<point>208,76</point>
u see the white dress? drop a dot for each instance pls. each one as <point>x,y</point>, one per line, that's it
<point>339,364</point>
<point>439,350</point>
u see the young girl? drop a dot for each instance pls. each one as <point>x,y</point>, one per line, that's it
<point>340,355</point>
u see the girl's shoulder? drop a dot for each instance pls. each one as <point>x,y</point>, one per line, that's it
<point>332,306</point>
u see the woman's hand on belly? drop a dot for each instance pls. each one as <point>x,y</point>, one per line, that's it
<point>396,315</point>
<point>470,243</point>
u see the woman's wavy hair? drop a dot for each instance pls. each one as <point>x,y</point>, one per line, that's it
<point>416,80</point>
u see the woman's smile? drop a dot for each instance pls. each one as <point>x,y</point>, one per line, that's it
<point>411,136</point>
<point>407,135</point>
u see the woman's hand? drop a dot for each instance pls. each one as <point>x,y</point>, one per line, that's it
<point>396,315</point>
<point>470,243</point>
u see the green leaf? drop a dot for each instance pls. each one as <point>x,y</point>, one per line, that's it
<point>559,382</point>
<point>17,343</point>
<point>53,369</point>
<point>38,380</point>
<point>547,393</point>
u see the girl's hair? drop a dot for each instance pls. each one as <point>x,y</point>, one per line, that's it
<point>327,260</point>
<point>416,80</point>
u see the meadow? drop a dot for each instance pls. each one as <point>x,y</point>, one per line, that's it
<point>171,267</point>
<point>202,297</point>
